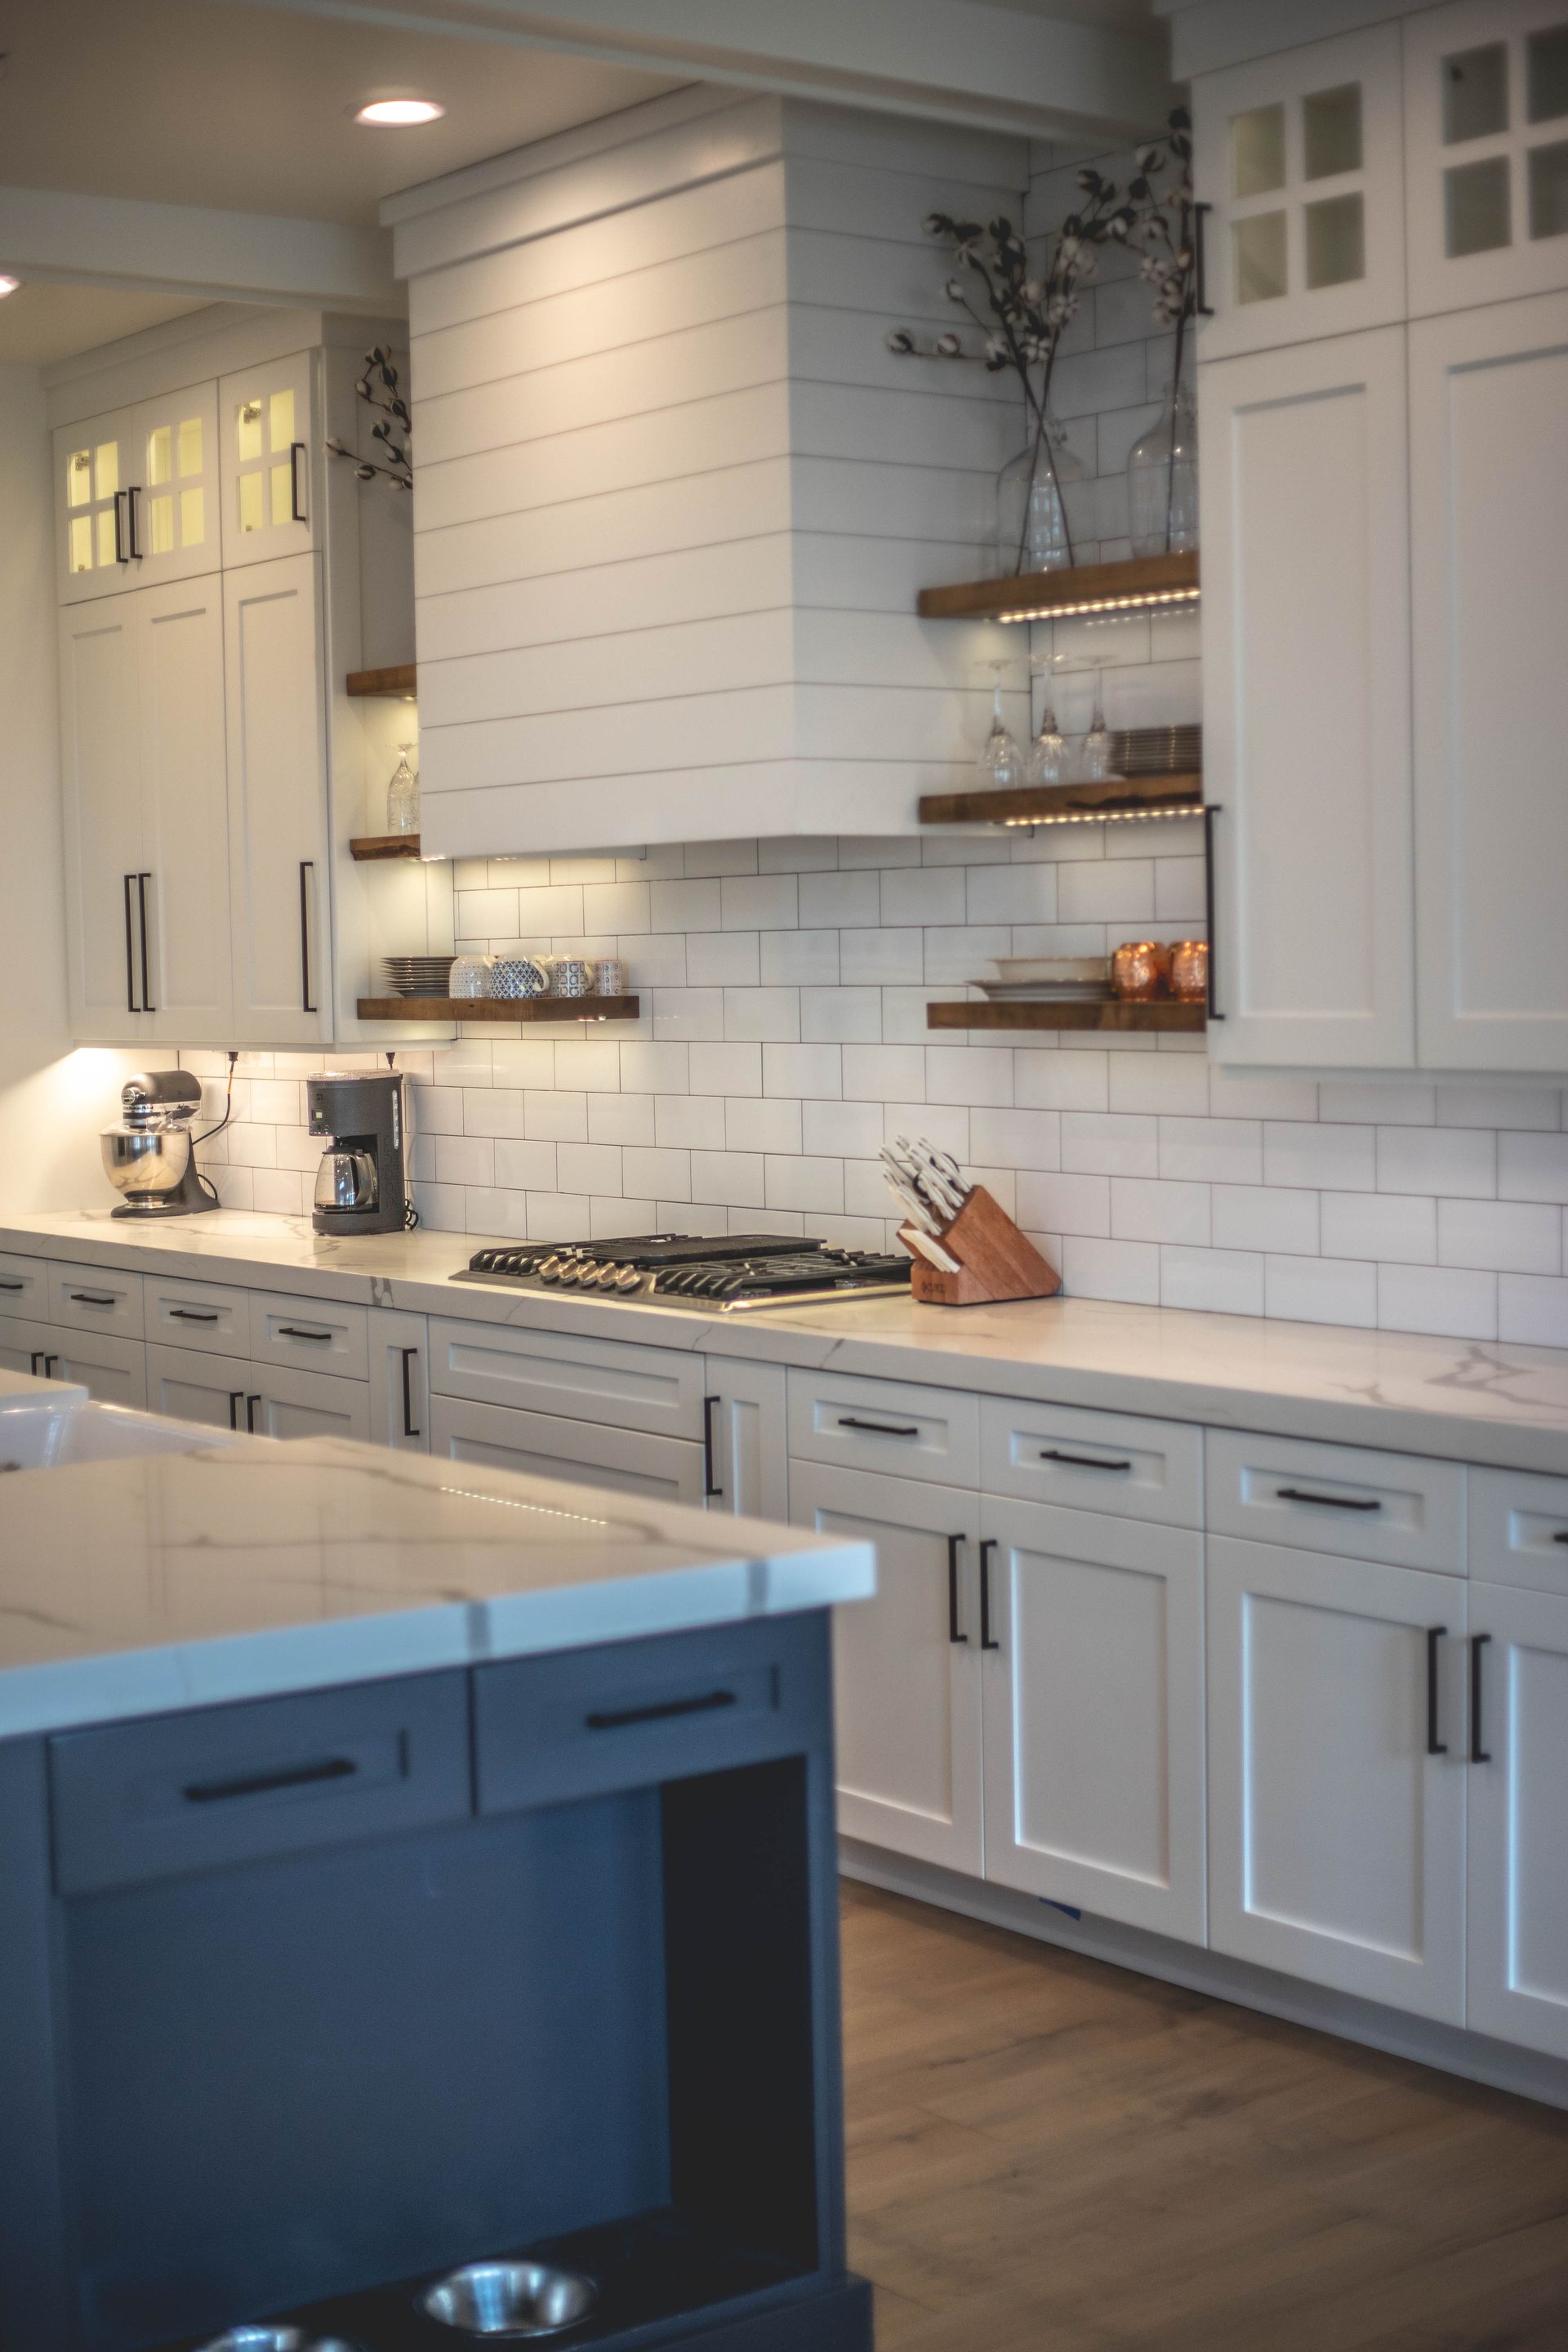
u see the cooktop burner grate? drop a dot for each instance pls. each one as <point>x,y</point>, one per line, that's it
<point>730,1272</point>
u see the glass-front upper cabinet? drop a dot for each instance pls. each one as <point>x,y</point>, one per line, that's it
<point>1486,155</point>
<point>1298,159</point>
<point>136,495</point>
<point>271,460</point>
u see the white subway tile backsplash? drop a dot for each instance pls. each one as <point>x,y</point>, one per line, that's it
<point>724,959</point>
<point>1209,1150</point>
<point>1267,1217</point>
<point>526,1167</point>
<point>761,1014</point>
<point>797,1182</point>
<point>844,1016</point>
<point>1175,1082</point>
<point>1016,1139</point>
<point>1110,1145</point>
<point>924,894</point>
<point>841,1130</point>
<point>1144,1210</point>
<point>969,1074</point>
<point>1402,1227</point>
<point>841,901</point>
<point>1334,1158</point>
<point>657,1174</point>
<point>1507,1236</point>
<point>880,959</point>
<point>1437,1299</point>
<point>799,959</point>
<point>1219,1281</point>
<point>687,1122</point>
<point>802,1070</point>
<point>1111,1269</point>
<point>1532,1308</point>
<point>767,1124</point>
<point>1446,1160</point>
<point>1117,891</point>
<point>621,1118</point>
<point>730,1069</point>
<point>1532,1167</point>
<point>1319,1290</point>
<point>1057,1080</point>
<point>732,1178</point>
<point>588,1168</point>
<point>759,902</point>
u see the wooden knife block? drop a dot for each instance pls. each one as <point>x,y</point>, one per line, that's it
<point>995,1260</point>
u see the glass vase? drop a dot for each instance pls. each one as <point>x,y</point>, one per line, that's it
<point>1033,530</point>
<point>1162,480</point>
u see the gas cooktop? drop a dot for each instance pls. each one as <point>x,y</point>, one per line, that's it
<point>729,1272</point>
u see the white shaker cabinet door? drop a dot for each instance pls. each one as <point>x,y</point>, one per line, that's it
<point>1297,157</point>
<point>1486,151</point>
<point>95,470</point>
<point>906,1666</point>
<point>184,876</point>
<point>746,1465</point>
<point>1489,401</point>
<point>1517,1957</point>
<point>100,760</point>
<point>1336,1773</point>
<point>1094,1714</point>
<point>267,428</point>
<point>278,895</point>
<point>1306,644</point>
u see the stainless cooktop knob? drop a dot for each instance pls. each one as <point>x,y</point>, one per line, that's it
<point>609,1274</point>
<point>627,1277</point>
<point>551,1270</point>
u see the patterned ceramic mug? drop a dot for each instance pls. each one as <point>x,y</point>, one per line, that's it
<point>520,976</point>
<point>571,976</point>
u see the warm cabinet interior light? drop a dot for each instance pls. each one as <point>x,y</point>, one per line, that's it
<point>1145,602</point>
<point>8,284</point>
<point>397,111</point>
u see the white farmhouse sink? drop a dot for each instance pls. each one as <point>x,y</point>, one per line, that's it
<point>56,1434</point>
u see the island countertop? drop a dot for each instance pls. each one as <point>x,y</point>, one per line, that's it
<point>163,1581</point>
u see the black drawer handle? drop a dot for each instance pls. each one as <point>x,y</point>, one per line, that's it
<point>1081,1460</point>
<point>1434,1747</point>
<point>189,1314</point>
<point>710,1486</point>
<point>1329,1502</point>
<point>90,1298</point>
<point>408,1354</point>
<point>1560,1537</point>
<point>954,1633</point>
<point>661,1711</point>
<point>12,1285</point>
<point>987,1548</point>
<point>261,1784</point>
<point>294,1331</point>
<point>1479,1752</point>
<point>236,1399</point>
<point>879,1428</point>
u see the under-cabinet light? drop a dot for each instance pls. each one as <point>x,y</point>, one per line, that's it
<point>1150,598</point>
<point>1105,817</point>
<point>396,112</point>
<point>8,284</point>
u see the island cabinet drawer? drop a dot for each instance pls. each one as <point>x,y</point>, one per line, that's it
<point>1093,1461</point>
<point>231,1784</point>
<point>24,1285</point>
<point>655,1389</point>
<point>1519,1530</point>
<point>908,1431</point>
<point>96,1298</point>
<point>582,1723</point>
<point>209,1315</point>
<point>314,1334</point>
<point>1344,1500</point>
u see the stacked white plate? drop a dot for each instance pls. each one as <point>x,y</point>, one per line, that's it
<point>1156,751</point>
<point>1038,980</point>
<point>421,975</point>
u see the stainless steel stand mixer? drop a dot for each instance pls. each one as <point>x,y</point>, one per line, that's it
<point>150,1155</point>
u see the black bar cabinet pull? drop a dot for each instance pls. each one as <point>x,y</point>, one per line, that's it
<point>189,1314</point>
<point>132,521</point>
<point>710,1487</point>
<point>297,1331</point>
<point>142,882</point>
<point>660,1711</point>
<point>50,1363</point>
<point>987,1548</point>
<point>1329,1502</point>
<point>1081,1461</point>
<point>122,550</point>
<point>262,1784</point>
<point>1201,302</point>
<point>1211,1002</point>
<point>1561,1536</point>
<point>250,1405</point>
<point>12,1285</point>
<point>236,1399</point>
<point>88,1298</point>
<point>1478,1754</point>
<point>409,1355</point>
<point>34,1360</point>
<point>131,1004</point>
<point>879,1428</point>
<point>953,1633</point>
<point>307,867</point>
<point>1434,1747</point>
<point>296,502</point>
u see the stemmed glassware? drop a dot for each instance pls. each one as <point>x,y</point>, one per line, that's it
<point>1097,742</point>
<point>1047,761</point>
<point>403,795</point>
<point>1001,763</point>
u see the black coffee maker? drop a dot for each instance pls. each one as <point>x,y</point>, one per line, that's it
<point>361,1185</point>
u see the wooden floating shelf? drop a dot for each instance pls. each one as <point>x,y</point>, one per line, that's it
<point>371,847</point>
<point>1147,582</point>
<point>400,681</point>
<point>498,1008</point>
<point>1106,1013</point>
<point>1116,801</point>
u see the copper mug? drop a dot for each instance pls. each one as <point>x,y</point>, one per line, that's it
<point>1190,971</point>
<point>1140,970</point>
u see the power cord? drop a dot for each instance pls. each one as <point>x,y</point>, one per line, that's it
<point>207,1187</point>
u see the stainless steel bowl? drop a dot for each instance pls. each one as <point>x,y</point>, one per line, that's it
<point>509,2299</point>
<point>263,2338</point>
<point>138,1160</point>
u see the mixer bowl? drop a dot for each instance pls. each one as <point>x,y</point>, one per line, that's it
<point>143,1160</point>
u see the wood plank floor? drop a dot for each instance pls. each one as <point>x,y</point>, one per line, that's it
<point>1050,2155</point>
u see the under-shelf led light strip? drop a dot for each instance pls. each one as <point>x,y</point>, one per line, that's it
<point>1104,816</point>
<point>1150,598</point>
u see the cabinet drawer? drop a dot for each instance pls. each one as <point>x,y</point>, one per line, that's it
<point>24,1285</point>
<point>655,1389</point>
<point>1519,1530</point>
<point>584,1722</point>
<point>197,1315</point>
<point>585,1453</point>
<point>891,1426</point>
<point>192,1384</point>
<point>1343,1499</point>
<point>233,1784</point>
<point>1092,1461</point>
<point>96,1298</point>
<point>318,1335</point>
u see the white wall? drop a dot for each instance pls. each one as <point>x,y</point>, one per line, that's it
<point>53,1101</point>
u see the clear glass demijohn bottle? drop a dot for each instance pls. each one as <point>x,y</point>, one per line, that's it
<point>403,795</point>
<point>1163,479</point>
<point>1033,530</point>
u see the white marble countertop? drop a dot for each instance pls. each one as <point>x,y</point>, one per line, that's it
<point>21,1392</point>
<point>1464,1400</point>
<point>154,1584</point>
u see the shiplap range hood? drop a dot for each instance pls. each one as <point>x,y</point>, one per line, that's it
<point>676,497</point>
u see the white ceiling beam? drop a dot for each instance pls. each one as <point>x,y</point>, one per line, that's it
<point>951,60</point>
<point>54,235</point>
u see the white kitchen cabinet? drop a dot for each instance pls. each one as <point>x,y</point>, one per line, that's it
<point>746,1464</point>
<point>584,1453</point>
<point>183,888</point>
<point>1093,1697</point>
<point>190,1384</point>
<point>1298,154</point>
<point>100,760</point>
<point>1517,1954</point>
<point>399,1361</point>
<point>94,467</point>
<point>136,495</point>
<point>267,421</point>
<point>623,1383</point>
<point>906,1663</point>
<point>111,1370</point>
<point>277,841</point>
<point>1337,1772</point>
<point>1489,391</point>
<point>1306,644</point>
<point>282,1402</point>
<point>1486,151</point>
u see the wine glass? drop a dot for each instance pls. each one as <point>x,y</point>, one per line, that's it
<point>1047,761</point>
<point>1097,742</point>
<point>1001,763</point>
<point>403,795</point>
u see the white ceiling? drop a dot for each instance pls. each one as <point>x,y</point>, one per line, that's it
<point>41,323</point>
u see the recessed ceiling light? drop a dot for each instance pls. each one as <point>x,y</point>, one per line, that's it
<point>8,284</point>
<point>397,111</point>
